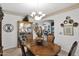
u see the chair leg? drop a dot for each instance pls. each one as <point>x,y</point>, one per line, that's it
<point>30,53</point>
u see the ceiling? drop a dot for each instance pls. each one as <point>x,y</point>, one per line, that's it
<point>23,9</point>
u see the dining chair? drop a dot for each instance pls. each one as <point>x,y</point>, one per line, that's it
<point>22,48</point>
<point>50,38</point>
<point>73,49</point>
<point>24,53</point>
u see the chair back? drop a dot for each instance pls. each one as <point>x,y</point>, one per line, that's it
<point>73,49</point>
<point>22,47</point>
<point>50,38</point>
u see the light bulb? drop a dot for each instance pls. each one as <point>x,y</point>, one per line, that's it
<point>37,18</point>
<point>40,13</point>
<point>33,14</point>
<point>43,15</point>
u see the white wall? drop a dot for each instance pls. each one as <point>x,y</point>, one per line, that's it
<point>66,41</point>
<point>9,40</point>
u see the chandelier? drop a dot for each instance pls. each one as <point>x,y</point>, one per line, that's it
<point>37,15</point>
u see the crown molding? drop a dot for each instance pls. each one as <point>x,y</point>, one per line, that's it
<point>75,6</point>
<point>13,13</point>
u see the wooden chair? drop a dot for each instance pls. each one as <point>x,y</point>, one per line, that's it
<point>73,49</point>
<point>22,48</point>
<point>24,53</point>
<point>50,38</point>
<point>30,37</point>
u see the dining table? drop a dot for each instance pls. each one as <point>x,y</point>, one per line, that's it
<point>47,49</point>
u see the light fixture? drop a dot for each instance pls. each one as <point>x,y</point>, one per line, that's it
<point>37,15</point>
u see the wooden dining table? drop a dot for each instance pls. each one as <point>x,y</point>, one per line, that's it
<point>48,49</point>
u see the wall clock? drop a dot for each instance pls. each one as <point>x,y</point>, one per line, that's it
<point>8,27</point>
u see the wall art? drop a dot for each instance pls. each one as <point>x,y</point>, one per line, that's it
<point>8,27</point>
<point>68,26</point>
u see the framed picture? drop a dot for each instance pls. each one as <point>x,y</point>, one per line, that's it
<point>68,30</point>
<point>8,27</point>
